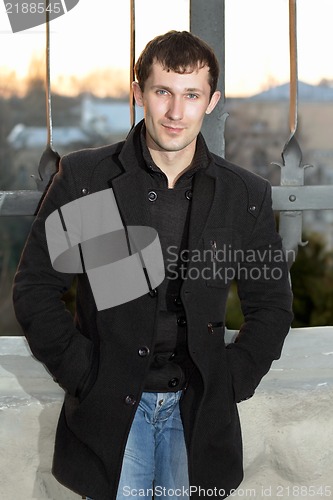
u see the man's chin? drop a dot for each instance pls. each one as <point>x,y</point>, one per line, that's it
<point>172,143</point>
<point>172,147</point>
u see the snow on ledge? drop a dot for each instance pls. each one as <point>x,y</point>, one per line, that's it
<point>287,426</point>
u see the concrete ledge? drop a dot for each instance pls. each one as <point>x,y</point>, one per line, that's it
<point>287,425</point>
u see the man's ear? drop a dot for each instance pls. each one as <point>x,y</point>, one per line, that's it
<point>213,101</point>
<point>137,92</point>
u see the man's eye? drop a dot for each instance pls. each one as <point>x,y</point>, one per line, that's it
<point>161,92</point>
<point>192,96</point>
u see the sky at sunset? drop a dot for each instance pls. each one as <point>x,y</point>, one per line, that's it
<point>96,34</point>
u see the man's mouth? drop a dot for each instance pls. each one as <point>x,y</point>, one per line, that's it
<point>173,129</point>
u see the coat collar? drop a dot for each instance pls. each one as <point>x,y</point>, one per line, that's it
<point>130,189</point>
<point>131,156</point>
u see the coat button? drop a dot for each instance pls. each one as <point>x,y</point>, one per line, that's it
<point>152,196</point>
<point>181,321</point>
<point>188,194</point>
<point>177,301</point>
<point>173,382</point>
<point>153,292</point>
<point>143,351</point>
<point>252,208</point>
<point>130,400</point>
<point>84,191</point>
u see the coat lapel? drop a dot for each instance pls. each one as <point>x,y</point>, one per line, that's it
<point>131,196</point>
<point>129,187</point>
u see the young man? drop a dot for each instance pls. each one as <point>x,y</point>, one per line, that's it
<point>151,386</point>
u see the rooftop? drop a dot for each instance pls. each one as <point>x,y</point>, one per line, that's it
<point>306,92</point>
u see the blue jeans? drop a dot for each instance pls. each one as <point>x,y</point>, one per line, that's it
<point>155,459</point>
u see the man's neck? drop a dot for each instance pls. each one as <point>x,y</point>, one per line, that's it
<point>173,163</point>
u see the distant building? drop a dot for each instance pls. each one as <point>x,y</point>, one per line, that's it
<point>107,117</point>
<point>101,121</point>
<point>306,92</point>
<point>257,130</point>
<point>24,137</point>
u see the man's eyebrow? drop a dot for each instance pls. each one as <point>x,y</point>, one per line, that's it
<point>165,87</point>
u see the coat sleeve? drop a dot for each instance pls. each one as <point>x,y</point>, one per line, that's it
<point>266,301</point>
<point>37,297</point>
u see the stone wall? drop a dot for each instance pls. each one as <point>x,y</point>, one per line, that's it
<point>287,425</point>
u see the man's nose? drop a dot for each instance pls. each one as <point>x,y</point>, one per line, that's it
<point>175,110</point>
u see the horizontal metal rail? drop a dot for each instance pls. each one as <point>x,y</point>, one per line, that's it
<point>285,199</point>
<point>295,198</point>
<point>23,202</point>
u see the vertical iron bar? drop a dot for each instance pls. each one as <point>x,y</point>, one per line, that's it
<point>48,79</point>
<point>132,62</point>
<point>292,170</point>
<point>207,22</point>
<point>49,161</point>
<point>293,67</point>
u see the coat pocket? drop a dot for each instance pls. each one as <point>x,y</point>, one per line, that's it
<point>216,328</point>
<point>88,382</point>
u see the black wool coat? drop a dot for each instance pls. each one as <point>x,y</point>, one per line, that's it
<point>97,358</point>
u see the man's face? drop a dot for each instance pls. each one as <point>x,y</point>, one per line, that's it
<point>174,107</point>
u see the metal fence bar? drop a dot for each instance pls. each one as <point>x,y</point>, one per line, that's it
<point>49,161</point>
<point>292,170</point>
<point>132,62</point>
<point>24,202</point>
<point>207,21</point>
<point>289,200</point>
<point>294,198</point>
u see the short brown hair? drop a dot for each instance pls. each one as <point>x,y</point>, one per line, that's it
<point>178,51</point>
